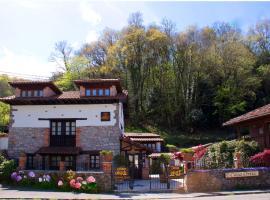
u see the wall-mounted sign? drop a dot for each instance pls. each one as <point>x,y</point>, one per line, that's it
<point>175,172</point>
<point>121,171</point>
<point>241,174</point>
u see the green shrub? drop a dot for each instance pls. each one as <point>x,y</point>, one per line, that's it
<point>6,168</point>
<point>106,152</point>
<point>120,161</point>
<point>165,158</point>
<point>171,147</point>
<point>187,150</point>
<point>221,155</point>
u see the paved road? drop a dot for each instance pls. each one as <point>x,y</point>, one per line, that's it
<point>265,196</point>
<point>17,193</point>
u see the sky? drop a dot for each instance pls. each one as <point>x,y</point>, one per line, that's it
<point>30,28</point>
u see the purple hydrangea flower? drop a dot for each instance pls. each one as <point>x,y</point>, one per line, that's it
<point>13,175</point>
<point>18,178</point>
<point>47,178</point>
<point>31,174</point>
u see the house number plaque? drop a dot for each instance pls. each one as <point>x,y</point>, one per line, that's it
<point>241,174</point>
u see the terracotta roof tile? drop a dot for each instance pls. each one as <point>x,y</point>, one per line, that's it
<point>70,95</point>
<point>59,150</point>
<point>259,112</point>
<point>141,135</point>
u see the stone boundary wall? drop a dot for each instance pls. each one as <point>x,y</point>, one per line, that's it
<point>214,180</point>
<point>103,180</point>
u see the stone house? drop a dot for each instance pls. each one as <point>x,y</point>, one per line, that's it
<point>50,126</point>
<point>257,122</point>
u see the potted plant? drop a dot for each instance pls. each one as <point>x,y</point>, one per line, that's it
<point>107,155</point>
<point>164,173</point>
<point>187,154</point>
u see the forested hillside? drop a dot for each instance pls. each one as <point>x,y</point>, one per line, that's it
<point>188,81</point>
<point>196,78</point>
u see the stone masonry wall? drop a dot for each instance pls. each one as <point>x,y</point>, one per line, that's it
<point>27,140</point>
<point>101,137</point>
<point>214,180</point>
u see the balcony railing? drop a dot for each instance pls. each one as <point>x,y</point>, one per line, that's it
<point>80,166</point>
<point>63,140</point>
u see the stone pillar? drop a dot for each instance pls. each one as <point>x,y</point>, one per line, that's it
<point>47,137</point>
<point>22,161</point>
<point>78,135</point>
<point>237,160</point>
<point>107,167</point>
<point>106,163</point>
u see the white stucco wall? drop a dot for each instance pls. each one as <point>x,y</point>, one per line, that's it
<point>3,143</point>
<point>28,115</point>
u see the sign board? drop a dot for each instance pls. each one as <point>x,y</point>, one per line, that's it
<point>174,172</point>
<point>241,174</point>
<point>121,171</point>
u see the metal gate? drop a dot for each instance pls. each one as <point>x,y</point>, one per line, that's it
<point>160,178</point>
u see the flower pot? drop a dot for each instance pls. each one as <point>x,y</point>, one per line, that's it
<point>187,156</point>
<point>107,158</point>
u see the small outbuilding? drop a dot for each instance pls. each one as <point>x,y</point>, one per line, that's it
<point>258,123</point>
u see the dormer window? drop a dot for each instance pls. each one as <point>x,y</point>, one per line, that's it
<point>32,93</point>
<point>107,92</point>
<point>87,92</point>
<point>94,92</point>
<point>97,92</point>
<point>100,92</point>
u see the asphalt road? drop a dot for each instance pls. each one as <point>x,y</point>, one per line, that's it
<point>22,193</point>
<point>264,196</point>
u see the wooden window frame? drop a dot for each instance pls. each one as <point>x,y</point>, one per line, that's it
<point>94,161</point>
<point>29,161</point>
<point>102,117</point>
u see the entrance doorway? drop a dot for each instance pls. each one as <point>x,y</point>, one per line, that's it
<point>135,165</point>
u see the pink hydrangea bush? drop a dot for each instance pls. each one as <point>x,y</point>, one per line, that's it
<point>79,183</point>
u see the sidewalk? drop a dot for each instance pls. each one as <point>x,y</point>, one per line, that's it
<point>23,193</point>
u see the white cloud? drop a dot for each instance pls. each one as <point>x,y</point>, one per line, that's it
<point>29,4</point>
<point>91,36</point>
<point>89,14</point>
<point>24,64</point>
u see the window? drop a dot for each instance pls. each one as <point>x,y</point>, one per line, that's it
<point>94,162</point>
<point>261,130</point>
<point>100,92</point>
<point>94,92</point>
<point>29,161</point>
<point>23,93</point>
<point>36,93</point>
<point>40,93</point>
<point>29,93</point>
<point>107,92</point>
<point>55,162</point>
<point>87,92</point>
<point>70,128</point>
<point>69,162</point>
<point>32,93</point>
<point>63,128</point>
<point>105,116</point>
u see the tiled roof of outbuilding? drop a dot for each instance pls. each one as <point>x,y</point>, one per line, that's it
<point>257,113</point>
